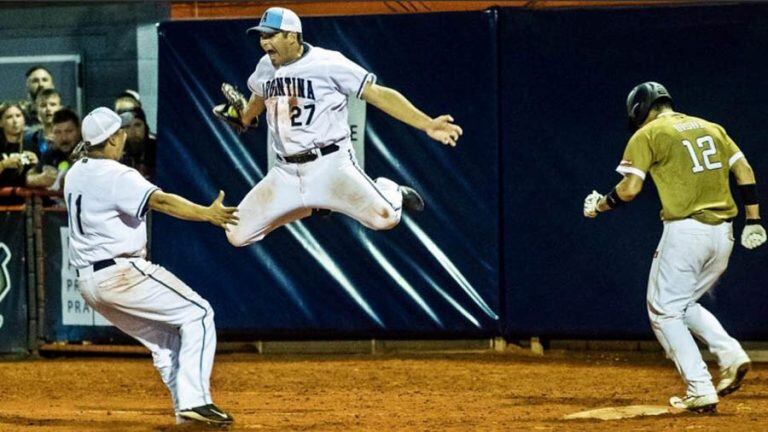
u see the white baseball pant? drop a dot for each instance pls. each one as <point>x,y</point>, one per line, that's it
<point>152,305</point>
<point>290,191</point>
<point>689,260</point>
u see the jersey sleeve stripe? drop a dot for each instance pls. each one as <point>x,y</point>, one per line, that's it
<point>624,170</point>
<point>144,201</point>
<point>735,158</point>
<point>369,77</point>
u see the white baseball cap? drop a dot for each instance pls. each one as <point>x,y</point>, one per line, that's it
<point>100,124</point>
<point>276,19</point>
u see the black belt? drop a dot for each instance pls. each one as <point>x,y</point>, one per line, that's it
<point>309,155</point>
<point>100,265</point>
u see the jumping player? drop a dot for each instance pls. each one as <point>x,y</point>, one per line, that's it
<point>690,160</point>
<point>107,203</point>
<point>304,91</point>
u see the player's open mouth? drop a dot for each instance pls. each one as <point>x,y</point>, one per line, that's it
<point>271,52</point>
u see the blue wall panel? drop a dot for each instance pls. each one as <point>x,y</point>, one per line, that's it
<point>540,94</point>
<point>326,277</point>
<point>565,76</point>
<point>13,283</point>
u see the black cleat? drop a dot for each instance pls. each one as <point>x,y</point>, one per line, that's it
<point>412,201</point>
<point>210,414</point>
<point>320,212</point>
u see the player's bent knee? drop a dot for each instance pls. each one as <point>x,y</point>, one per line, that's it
<point>385,219</point>
<point>381,224</point>
<point>237,238</point>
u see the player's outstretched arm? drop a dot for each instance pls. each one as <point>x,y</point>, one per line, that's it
<point>441,129</point>
<point>754,234</point>
<point>181,208</point>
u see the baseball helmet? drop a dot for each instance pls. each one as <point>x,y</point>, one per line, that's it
<point>641,99</point>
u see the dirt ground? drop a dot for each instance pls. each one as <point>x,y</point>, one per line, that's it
<point>393,392</point>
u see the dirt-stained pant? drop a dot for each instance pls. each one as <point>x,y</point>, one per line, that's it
<point>689,260</point>
<point>152,305</point>
<point>335,182</point>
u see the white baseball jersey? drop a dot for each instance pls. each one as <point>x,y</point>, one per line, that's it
<point>107,202</point>
<point>306,100</point>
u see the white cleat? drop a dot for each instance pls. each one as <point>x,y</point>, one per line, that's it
<point>699,404</point>
<point>732,376</point>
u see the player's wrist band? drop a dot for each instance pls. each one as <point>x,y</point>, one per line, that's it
<point>748,194</point>
<point>752,222</point>
<point>613,200</point>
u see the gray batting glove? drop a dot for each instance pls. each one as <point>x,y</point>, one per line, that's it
<point>753,236</point>
<point>590,204</point>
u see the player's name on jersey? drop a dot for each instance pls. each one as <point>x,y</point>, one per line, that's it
<point>288,86</point>
<point>691,125</point>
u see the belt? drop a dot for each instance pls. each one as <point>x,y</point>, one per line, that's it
<point>309,155</point>
<point>100,265</point>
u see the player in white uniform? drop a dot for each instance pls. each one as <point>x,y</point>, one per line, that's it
<point>107,203</point>
<point>304,91</point>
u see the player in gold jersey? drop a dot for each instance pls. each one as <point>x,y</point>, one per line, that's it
<point>690,160</point>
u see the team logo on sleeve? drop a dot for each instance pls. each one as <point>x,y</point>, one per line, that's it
<point>625,163</point>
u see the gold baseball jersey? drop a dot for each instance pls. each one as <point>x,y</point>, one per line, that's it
<point>689,159</point>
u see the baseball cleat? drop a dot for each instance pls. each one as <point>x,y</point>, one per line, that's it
<point>698,404</point>
<point>210,414</point>
<point>732,376</point>
<point>321,212</point>
<point>412,201</point>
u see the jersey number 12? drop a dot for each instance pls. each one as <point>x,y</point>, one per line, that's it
<point>711,150</point>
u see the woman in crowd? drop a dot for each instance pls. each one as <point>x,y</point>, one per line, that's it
<point>141,146</point>
<point>15,157</point>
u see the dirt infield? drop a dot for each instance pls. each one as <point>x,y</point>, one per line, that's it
<point>467,392</point>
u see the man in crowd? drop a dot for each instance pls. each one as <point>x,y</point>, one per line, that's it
<point>55,162</point>
<point>38,78</point>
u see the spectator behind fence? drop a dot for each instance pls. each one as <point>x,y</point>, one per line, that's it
<point>15,158</point>
<point>141,146</point>
<point>38,78</point>
<point>55,162</point>
<point>127,100</point>
<point>48,101</point>
<point>15,155</point>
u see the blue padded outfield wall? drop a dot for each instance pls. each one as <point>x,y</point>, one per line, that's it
<point>437,274</point>
<point>565,79</point>
<point>13,283</point>
<point>502,247</point>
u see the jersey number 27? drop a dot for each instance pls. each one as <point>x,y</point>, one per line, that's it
<point>296,112</point>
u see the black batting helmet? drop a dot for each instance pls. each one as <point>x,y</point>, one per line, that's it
<point>641,99</point>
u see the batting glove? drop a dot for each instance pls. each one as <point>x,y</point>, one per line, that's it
<point>590,204</point>
<point>753,235</point>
